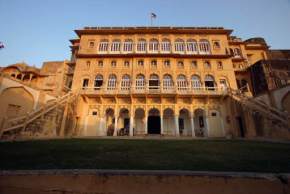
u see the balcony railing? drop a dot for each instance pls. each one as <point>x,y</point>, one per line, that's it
<point>154,90</point>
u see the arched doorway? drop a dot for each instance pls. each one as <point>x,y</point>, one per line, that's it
<point>154,125</point>
<point>139,127</point>
<point>168,122</point>
<point>184,122</point>
<point>200,125</point>
<point>110,121</point>
<point>124,122</point>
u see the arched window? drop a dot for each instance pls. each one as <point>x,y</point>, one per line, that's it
<point>181,82</point>
<point>112,82</point>
<point>103,45</point>
<point>179,45</point>
<point>116,45</point>
<point>244,85</point>
<point>153,45</point>
<point>204,47</point>
<point>85,83</point>
<point>165,45</point>
<point>128,45</point>
<point>98,82</point>
<point>223,84</point>
<point>125,82</point>
<point>154,81</point>
<point>168,82</point>
<point>237,52</point>
<point>140,82</point>
<point>209,82</point>
<point>231,52</point>
<point>195,82</point>
<point>191,46</point>
<point>141,45</point>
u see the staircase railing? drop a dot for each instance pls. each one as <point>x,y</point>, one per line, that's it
<point>257,105</point>
<point>22,121</point>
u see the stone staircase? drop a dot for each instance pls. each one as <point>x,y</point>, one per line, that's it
<point>269,112</point>
<point>44,121</point>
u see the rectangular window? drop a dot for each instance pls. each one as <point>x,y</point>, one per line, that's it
<point>85,83</point>
<point>88,64</point>
<point>126,64</point>
<point>167,63</point>
<point>154,64</point>
<point>140,63</point>
<point>194,64</point>
<point>113,64</point>
<point>216,44</point>
<point>207,65</point>
<point>219,65</point>
<point>91,44</point>
<point>180,64</point>
<point>100,63</point>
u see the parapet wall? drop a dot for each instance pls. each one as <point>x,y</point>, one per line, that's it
<point>140,182</point>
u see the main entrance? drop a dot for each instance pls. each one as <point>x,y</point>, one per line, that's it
<point>154,126</point>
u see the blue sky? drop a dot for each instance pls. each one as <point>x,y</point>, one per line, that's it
<point>38,30</point>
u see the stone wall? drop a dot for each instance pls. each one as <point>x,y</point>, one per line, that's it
<point>141,182</point>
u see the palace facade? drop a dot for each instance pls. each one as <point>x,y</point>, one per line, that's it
<point>161,80</point>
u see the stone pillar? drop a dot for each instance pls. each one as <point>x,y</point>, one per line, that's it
<point>192,125</point>
<point>161,125</point>
<point>146,125</point>
<point>131,129</point>
<point>116,126</point>
<point>30,77</point>
<point>207,125</point>
<point>176,126</point>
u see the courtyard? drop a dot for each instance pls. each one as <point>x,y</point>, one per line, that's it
<point>146,154</point>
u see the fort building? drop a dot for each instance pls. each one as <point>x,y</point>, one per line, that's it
<point>170,81</point>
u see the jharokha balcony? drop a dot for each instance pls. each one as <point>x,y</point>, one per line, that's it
<point>154,90</point>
